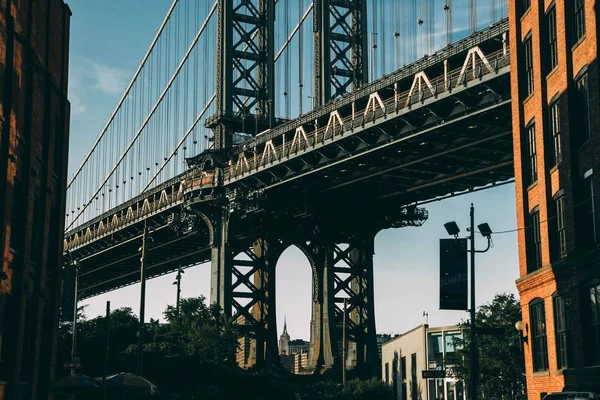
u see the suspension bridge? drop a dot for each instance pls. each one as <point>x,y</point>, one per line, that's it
<point>234,164</point>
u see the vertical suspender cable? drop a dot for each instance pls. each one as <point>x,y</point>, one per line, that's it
<point>300,58</point>
<point>120,103</point>
<point>384,38</point>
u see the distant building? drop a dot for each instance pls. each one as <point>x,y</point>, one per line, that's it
<point>381,339</point>
<point>293,354</point>
<point>300,362</point>
<point>288,362</point>
<point>284,340</point>
<point>298,346</point>
<point>245,344</point>
<point>405,357</point>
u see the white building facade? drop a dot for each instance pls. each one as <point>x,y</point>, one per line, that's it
<point>404,358</point>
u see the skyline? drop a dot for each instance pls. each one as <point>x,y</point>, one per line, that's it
<point>103,63</point>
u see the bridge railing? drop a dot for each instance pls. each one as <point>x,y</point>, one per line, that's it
<point>398,102</point>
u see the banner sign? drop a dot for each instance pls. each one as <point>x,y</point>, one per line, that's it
<point>67,300</point>
<point>453,274</point>
<point>430,373</point>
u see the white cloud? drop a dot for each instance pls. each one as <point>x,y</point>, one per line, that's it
<point>87,76</point>
<point>77,106</point>
<point>101,77</point>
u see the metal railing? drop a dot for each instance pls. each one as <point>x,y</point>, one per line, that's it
<point>401,101</point>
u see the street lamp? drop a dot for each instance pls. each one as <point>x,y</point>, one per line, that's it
<point>485,230</point>
<point>520,326</point>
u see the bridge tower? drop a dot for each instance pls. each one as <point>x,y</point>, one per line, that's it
<point>244,256</point>
<point>340,47</point>
<point>245,64</point>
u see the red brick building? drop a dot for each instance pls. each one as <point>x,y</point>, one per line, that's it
<point>556,127</point>
<point>34,126</point>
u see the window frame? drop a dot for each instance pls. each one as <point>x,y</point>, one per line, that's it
<point>563,329</point>
<point>535,242</point>
<point>561,227</point>
<point>531,153</point>
<point>586,217</point>
<point>414,377</point>
<point>526,5</point>
<point>578,21</point>
<point>583,107</point>
<point>552,40</point>
<point>555,131</point>
<point>528,64</point>
<point>539,338</point>
<point>593,329</point>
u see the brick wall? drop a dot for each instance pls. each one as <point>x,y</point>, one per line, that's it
<point>34,36</point>
<point>580,267</point>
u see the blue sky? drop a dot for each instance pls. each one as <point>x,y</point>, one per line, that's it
<point>108,40</point>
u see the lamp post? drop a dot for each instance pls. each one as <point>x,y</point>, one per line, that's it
<point>74,337</point>
<point>178,283</point>
<point>484,229</point>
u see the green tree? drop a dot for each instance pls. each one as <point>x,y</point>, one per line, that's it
<point>501,364</point>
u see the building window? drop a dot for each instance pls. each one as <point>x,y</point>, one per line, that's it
<point>555,132</point>
<point>414,388</point>
<point>560,227</point>
<point>452,344</point>
<point>532,160</point>
<point>582,109</point>
<point>592,326</point>
<point>528,57</point>
<point>562,326</point>
<point>537,319</point>
<point>435,349</point>
<point>403,378</point>
<point>586,210</point>
<point>552,44</point>
<point>534,242</point>
<point>526,4</point>
<point>578,20</point>
<point>387,373</point>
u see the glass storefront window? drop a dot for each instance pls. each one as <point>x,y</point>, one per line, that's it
<point>440,389</point>
<point>452,343</point>
<point>450,390</point>
<point>435,349</point>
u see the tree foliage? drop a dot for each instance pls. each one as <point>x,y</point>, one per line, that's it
<point>501,364</point>
<point>192,355</point>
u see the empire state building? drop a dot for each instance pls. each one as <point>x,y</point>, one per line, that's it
<point>284,339</point>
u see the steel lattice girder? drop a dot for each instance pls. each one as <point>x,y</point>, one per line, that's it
<point>245,65</point>
<point>340,33</point>
<point>342,268</point>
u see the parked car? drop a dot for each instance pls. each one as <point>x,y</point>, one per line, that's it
<point>572,395</point>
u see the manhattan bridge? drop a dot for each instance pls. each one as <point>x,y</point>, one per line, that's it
<point>255,125</point>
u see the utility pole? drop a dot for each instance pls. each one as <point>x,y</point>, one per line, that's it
<point>344,346</point>
<point>74,336</point>
<point>474,354</point>
<point>106,343</point>
<point>140,368</point>
<point>486,232</point>
<point>178,283</point>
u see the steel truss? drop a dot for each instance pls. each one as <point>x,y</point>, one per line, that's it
<point>245,64</point>
<point>246,248</point>
<point>343,269</point>
<point>340,47</point>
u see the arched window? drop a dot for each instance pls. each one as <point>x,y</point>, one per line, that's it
<point>537,320</point>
